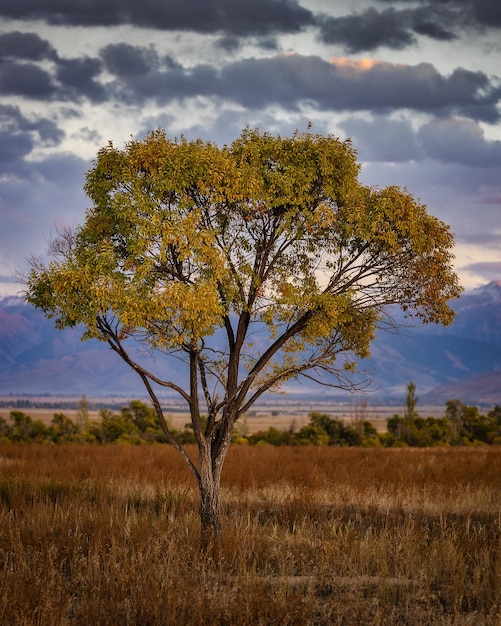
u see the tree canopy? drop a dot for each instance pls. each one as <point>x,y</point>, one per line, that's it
<point>256,263</point>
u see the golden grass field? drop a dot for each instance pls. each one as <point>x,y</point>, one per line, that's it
<point>109,535</point>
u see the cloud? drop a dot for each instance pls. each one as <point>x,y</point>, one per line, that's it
<point>167,85</point>
<point>486,12</point>
<point>394,27</point>
<point>229,43</point>
<point>459,141</point>
<point>48,131</point>
<point>19,135</point>
<point>15,146</point>
<point>452,191</point>
<point>449,140</point>
<point>34,196</point>
<point>77,77</point>
<point>383,139</point>
<point>462,13</point>
<point>27,80</point>
<point>482,239</point>
<point>29,46</point>
<point>243,18</point>
<point>141,74</point>
<point>344,85</point>
<point>367,31</point>
<point>390,28</point>
<point>125,60</point>
<point>290,80</point>
<point>434,22</point>
<point>5,278</point>
<point>488,270</point>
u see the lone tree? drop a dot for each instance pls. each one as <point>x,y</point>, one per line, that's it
<point>410,401</point>
<point>254,263</point>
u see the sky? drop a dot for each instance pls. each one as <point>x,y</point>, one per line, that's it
<point>416,85</point>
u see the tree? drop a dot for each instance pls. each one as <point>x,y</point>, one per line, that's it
<point>410,401</point>
<point>82,416</point>
<point>254,263</point>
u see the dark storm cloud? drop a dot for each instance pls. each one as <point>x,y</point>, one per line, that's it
<point>292,80</point>
<point>122,59</point>
<point>162,84</point>
<point>397,28</point>
<point>141,75</point>
<point>25,79</point>
<point>30,46</point>
<point>467,13</point>
<point>65,79</point>
<point>243,18</point>
<point>389,28</point>
<point>78,78</point>
<point>367,31</point>
<point>340,85</point>
<point>487,12</point>
<point>433,23</point>
<point>10,116</point>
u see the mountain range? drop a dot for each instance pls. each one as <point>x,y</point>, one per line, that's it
<point>459,361</point>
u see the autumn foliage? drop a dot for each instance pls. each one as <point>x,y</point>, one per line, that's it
<point>254,263</point>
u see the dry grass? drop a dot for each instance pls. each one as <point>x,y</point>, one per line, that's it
<point>109,535</point>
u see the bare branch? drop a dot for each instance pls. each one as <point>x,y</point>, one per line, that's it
<point>116,345</point>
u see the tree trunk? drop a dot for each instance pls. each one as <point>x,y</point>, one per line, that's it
<point>211,519</point>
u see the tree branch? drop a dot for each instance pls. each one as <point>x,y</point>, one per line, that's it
<point>116,345</point>
<point>114,341</point>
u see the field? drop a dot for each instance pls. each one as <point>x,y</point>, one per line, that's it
<point>280,414</point>
<point>313,536</point>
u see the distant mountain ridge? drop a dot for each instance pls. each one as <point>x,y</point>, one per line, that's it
<point>461,361</point>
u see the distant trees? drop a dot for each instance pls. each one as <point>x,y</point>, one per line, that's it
<point>417,431</point>
<point>470,426</point>
<point>23,428</point>
<point>136,424</point>
<point>461,425</point>
<point>321,430</point>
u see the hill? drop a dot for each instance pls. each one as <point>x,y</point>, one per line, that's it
<point>461,361</point>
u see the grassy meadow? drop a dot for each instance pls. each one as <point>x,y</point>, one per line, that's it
<point>313,535</point>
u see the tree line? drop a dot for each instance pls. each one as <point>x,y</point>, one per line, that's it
<point>137,423</point>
